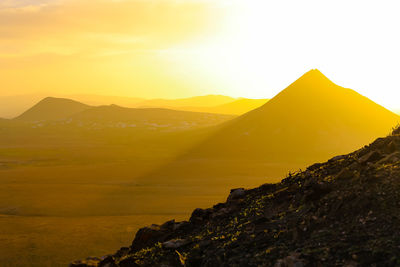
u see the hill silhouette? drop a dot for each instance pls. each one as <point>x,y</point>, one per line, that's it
<point>154,117</point>
<point>13,106</point>
<point>71,112</point>
<point>208,103</point>
<point>51,108</point>
<point>197,101</point>
<point>311,120</point>
<point>344,212</point>
<point>236,107</point>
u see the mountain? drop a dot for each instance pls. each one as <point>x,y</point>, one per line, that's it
<point>197,101</point>
<point>150,117</point>
<point>67,111</point>
<point>345,212</point>
<point>311,120</point>
<point>51,109</point>
<point>209,103</point>
<point>12,106</point>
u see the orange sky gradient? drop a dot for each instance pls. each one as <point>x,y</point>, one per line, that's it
<point>176,48</point>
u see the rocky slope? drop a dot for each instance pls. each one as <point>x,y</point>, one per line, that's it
<point>345,212</point>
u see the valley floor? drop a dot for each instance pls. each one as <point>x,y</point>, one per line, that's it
<point>55,241</point>
<point>69,194</point>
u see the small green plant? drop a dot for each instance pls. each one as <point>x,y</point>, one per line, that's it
<point>182,257</point>
<point>396,130</point>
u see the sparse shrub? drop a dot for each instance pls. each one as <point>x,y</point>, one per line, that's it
<point>396,130</point>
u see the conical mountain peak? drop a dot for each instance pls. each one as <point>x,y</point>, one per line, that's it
<point>315,73</point>
<point>313,78</point>
<point>311,85</point>
<point>52,108</point>
<point>312,116</point>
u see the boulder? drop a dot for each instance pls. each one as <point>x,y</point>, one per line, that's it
<point>169,225</point>
<point>236,194</point>
<point>107,261</point>
<point>147,236</point>
<point>199,215</point>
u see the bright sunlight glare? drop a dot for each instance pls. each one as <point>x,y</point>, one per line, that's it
<point>267,44</point>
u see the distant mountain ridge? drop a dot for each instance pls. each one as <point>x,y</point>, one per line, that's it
<point>155,117</point>
<point>197,101</point>
<point>208,103</point>
<point>13,106</point>
<point>69,112</point>
<point>236,107</point>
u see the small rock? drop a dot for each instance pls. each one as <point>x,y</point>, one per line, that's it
<point>180,225</point>
<point>107,261</point>
<point>199,215</point>
<point>337,158</point>
<point>169,225</point>
<point>174,244</point>
<point>146,236</point>
<point>236,194</point>
<point>290,261</point>
<point>122,252</point>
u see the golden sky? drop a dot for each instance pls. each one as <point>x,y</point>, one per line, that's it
<point>179,48</point>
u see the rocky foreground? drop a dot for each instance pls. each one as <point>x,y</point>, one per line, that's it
<point>345,212</point>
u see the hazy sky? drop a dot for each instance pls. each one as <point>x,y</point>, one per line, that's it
<point>179,48</point>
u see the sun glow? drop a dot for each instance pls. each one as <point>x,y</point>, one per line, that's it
<point>169,48</point>
<point>267,44</point>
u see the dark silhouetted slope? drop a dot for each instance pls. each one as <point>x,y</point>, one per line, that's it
<point>51,108</point>
<point>345,212</point>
